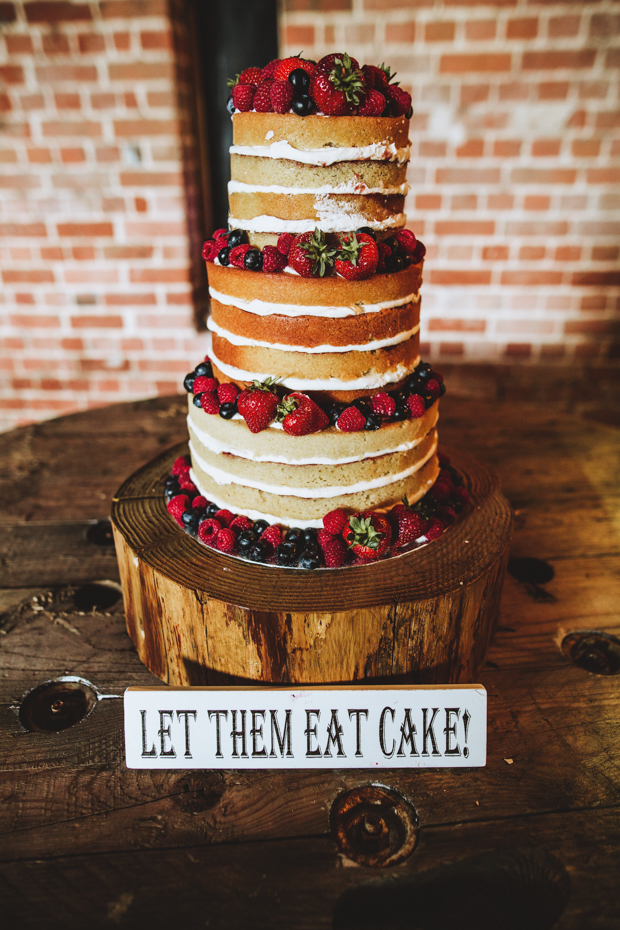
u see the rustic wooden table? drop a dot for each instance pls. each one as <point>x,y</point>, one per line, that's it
<point>85,842</point>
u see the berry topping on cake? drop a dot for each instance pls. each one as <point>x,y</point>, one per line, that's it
<point>433,387</point>
<point>281,95</point>
<point>351,420</point>
<point>377,77</point>
<point>334,549</point>
<point>200,503</point>
<point>273,259</point>
<point>383,404</point>
<point>269,70</point>
<point>272,535</point>
<point>434,529</point>
<point>209,402</point>
<point>209,251</point>
<point>177,507</point>
<point>208,530</point>
<point>243,97</point>
<point>258,405</point>
<point>368,535</point>
<point>181,465</point>
<point>262,98</point>
<point>310,256</point>
<point>285,241</point>
<point>408,525</point>
<point>335,521</point>
<point>372,103</point>
<point>416,406</point>
<point>399,99</point>
<point>224,517</point>
<point>338,89</point>
<point>251,76</point>
<point>329,62</point>
<point>357,256</point>
<point>288,65</point>
<point>227,392</point>
<point>240,524</point>
<point>300,415</point>
<point>237,255</point>
<point>204,383</point>
<point>226,541</point>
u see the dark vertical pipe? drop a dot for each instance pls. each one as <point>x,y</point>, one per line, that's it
<point>232,35</point>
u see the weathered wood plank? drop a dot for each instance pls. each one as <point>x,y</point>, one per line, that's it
<point>53,553</point>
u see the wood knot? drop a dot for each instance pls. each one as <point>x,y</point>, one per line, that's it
<point>57,704</point>
<point>593,650</point>
<point>374,825</point>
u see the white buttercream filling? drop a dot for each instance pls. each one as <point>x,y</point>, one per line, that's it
<point>326,156</point>
<point>263,308</point>
<point>336,222</point>
<point>311,350</point>
<point>349,187</point>
<point>223,477</point>
<point>220,448</point>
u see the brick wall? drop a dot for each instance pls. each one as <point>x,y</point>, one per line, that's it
<point>99,232</point>
<point>515,164</point>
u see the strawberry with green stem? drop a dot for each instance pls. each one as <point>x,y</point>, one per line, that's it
<point>258,404</point>
<point>310,256</point>
<point>338,92</point>
<point>357,256</point>
<point>368,535</point>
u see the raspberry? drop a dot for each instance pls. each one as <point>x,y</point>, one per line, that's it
<point>334,550</point>
<point>208,250</point>
<point>406,240</point>
<point>226,541</point>
<point>416,406</point>
<point>262,98</point>
<point>461,495</point>
<point>273,260</point>
<point>239,524</point>
<point>446,515</point>
<point>269,69</point>
<point>209,402</point>
<point>335,521</point>
<point>440,491</point>
<point>186,483</point>
<point>219,233</point>
<point>433,388</point>
<point>227,393</point>
<point>285,242</point>
<point>384,252</point>
<point>272,535</point>
<point>437,375</point>
<point>351,420</point>
<point>181,465</point>
<point>203,383</point>
<point>243,97</point>
<point>434,529</point>
<point>200,503</point>
<point>225,517</point>
<point>383,404</point>
<point>281,94</point>
<point>237,255</point>
<point>251,76</point>
<point>208,530</point>
<point>220,243</point>
<point>177,507</point>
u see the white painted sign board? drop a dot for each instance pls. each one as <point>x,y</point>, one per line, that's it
<point>306,728</point>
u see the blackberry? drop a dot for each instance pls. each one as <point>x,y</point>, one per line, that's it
<point>302,106</point>
<point>196,401</point>
<point>169,493</point>
<point>310,558</point>
<point>300,82</point>
<point>260,551</point>
<point>237,237</point>
<point>188,381</point>
<point>368,231</point>
<point>260,526</point>
<point>211,510</point>
<point>223,256</point>
<point>373,421</point>
<point>286,553</point>
<point>253,260</point>
<point>227,411</point>
<point>204,369</point>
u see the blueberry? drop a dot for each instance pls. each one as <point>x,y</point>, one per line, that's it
<point>393,263</point>
<point>401,413</point>
<point>392,242</point>
<point>190,521</point>
<point>423,371</point>
<point>197,400</point>
<point>309,536</point>
<point>412,384</point>
<point>429,400</point>
<point>302,106</point>
<point>293,534</point>
<point>169,493</point>
<point>286,553</point>
<point>246,540</point>
<point>260,526</point>
<point>253,260</point>
<point>373,421</point>
<point>442,389</point>
<point>223,256</point>
<point>227,411</point>
<point>334,412</point>
<point>237,237</point>
<point>188,381</point>
<point>363,405</point>
<point>368,231</point>
<point>406,257</point>
<point>300,81</point>
<point>171,480</point>
<point>409,113</point>
<point>310,558</point>
<point>260,551</point>
<point>211,510</point>
<point>204,369</point>
<point>230,107</point>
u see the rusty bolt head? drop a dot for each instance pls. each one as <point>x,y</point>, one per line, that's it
<point>594,651</point>
<point>374,825</point>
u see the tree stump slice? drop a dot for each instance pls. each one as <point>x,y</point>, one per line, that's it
<point>199,617</point>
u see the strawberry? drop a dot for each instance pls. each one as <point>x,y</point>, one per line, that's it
<point>237,255</point>
<point>406,240</point>
<point>357,256</point>
<point>251,76</point>
<point>224,517</point>
<point>416,406</point>
<point>351,420</point>
<point>209,402</point>
<point>203,383</point>
<point>281,95</point>
<point>334,549</point>
<point>378,78</point>
<point>368,535</point>
<point>177,507</point>
<point>181,465</point>
<point>239,524</point>
<point>273,259</point>
<point>337,90</point>
<point>399,99</point>
<point>372,103</point>
<point>408,525</point>
<point>328,62</point>
<point>434,529</point>
<point>285,241</point>
<point>209,251</point>
<point>310,256</point>
<point>227,393</point>
<point>269,70</point>
<point>258,405</point>
<point>243,97</point>
<point>288,65</point>
<point>208,530</point>
<point>226,541</point>
<point>335,521</point>
<point>383,404</point>
<point>262,98</point>
<point>300,415</point>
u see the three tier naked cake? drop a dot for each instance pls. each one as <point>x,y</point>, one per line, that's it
<point>313,422</point>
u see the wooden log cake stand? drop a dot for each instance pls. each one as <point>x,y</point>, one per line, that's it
<point>198,617</point>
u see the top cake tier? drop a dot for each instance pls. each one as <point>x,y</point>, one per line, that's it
<point>293,174</point>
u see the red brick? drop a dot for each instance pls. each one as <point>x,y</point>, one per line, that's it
<point>531,253</point>
<point>33,230</point>
<point>514,91</point>
<point>11,74</point>
<point>428,201</point>
<point>612,59</point>
<point>55,44</point>
<point>536,228</point>
<point>85,229</point>
<point>155,228</point>
<point>158,275</point>
<point>593,89</point>
<point>553,90</point>
<point>605,253</point>
<point>439,32</point>
<point>593,327</point>
<point>122,41</point>
<point>564,25</point>
<point>468,176</point>
<point>596,279</point>
<point>91,275</point>
<point>57,11</point>
<point>33,276</point>
<point>543,175</point>
<point>525,28</point>
<point>102,101</point>
<point>161,98</point>
<point>179,299</point>
<point>495,253</point>
<point>130,100</point>
<point>119,252</point>
<point>125,9</point>
<point>475,93</point>
<point>150,40</point>
<point>130,300</point>
<point>299,35</point>
<point>52,253</point>
<point>531,278</point>
<point>568,253</point>
<point>97,322</point>
<point>400,32</point>
<point>473,148</point>
<point>451,348</point>
<point>603,175</point>
<point>552,351</point>
<point>5,103</point>
<point>67,101</point>
<point>464,202</point>
<point>141,71</point>
<point>66,128</point>
<point>432,149</point>
<point>91,42</point>
<point>461,64</point>
<point>605,24</point>
<point>107,153</point>
<point>35,321</point>
<point>480,29</point>
<point>518,350</point>
<point>19,181</point>
<point>464,326</point>
<point>127,129</point>
<point>577,120</point>
<point>140,204</point>
<point>608,120</point>
<point>506,148</point>
<point>19,45</point>
<point>586,148</point>
<point>565,59</point>
<point>459,276</point>
<point>8,157</point>
<point>151,179</point>
<point>546,147</point>
<point>77,74</point>
<point>356,33</point>
<point>593,302</point>
<point>465,227</point>
<point>83,253</point>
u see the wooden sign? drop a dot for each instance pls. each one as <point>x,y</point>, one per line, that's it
<point>306,728</point>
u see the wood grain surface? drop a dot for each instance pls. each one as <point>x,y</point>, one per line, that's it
<point>86,842</point>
